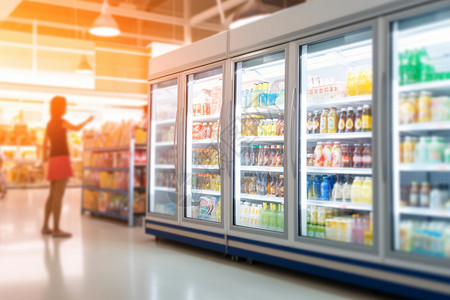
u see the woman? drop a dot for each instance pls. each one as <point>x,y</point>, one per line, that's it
<point>59,166</point>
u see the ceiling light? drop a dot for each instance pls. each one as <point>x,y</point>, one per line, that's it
<point>83,66</point>
<point>249,12</point>
<point>105,25</point>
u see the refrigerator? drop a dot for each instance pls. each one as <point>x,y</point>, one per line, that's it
<point>420,135</point>
<point>335,162</point>
<point>163,150</point>
<point>259,138</point>
<point>203,177</point>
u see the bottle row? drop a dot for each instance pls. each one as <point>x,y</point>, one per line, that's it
<point>114,180</point>
<point>263,94</point>
<point>263,184</point>
<point>436,197</point>
<point>257,125</point>
<point>349,189</point>
<point>202,131</point>
<point>329,121</point>
<point>166,178</point>
<point>207,156</point>
<point>423,237</point>
<point>422,109</point>
<point>209,102</point>
<point>206,208</point>
<point>268,216</point>
<point>340,156</point>
<point>432,149</point>
<point>165,157</point>
<point>339,225</point>
<point>415,66</point>
<point>262,155</point>
<point>207,182</point>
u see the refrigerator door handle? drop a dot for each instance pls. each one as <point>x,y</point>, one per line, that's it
<point>293,129</point>
<point>230,126</point>
<point>219,135</point>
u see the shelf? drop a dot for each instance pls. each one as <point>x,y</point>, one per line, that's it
<point>330,170</point>
<point>346,101</point>
<point>342,205</point>
<point>440,85</point>
<point>115,191</point>
<point>430,126</point>
<point>163,144</point>
<point>205,167</point>
<point>263,198</point>
<point>140,165</point>
<point>205,192</point>
<point>108,149</point>
<point>264,110</point>
<point>339,136</point>
<point>165,189</point>
<point>139,188</point>
<point>22,160</point>
<point>424,167</point>
<point>166,167</point>
<point>165,122</point>
<point>262,169</point>
<point>106,214</point>
<point>14,147</point>
<point>204,142</point>
<point>106,169</point>
<point>140,147</point>
<point>261,139</point>
<point>425,212</point>
<point>206,118</point>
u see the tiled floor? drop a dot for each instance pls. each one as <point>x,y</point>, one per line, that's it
<point>107,260</point>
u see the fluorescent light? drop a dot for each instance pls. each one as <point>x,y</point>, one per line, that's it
<point>105,25</point>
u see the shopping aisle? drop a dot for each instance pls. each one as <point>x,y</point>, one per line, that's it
<point>107,260</point>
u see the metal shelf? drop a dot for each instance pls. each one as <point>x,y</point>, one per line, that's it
<point>98,189</point>
<point>165,189</point>
<point>205,167</point>
<point>261,139</point>
<point>167,167</point>
<point>165,122</point>
<point>327,103</point>
<point>206,118</point>
<point>429,126</point>
<point>424,167</point>
<point>106,169</point>
<point>341,205</point>
<point>106,214</point>
<point>204,142</point>
<point>163,144</point>
<point>205,192</point>
<point>265,110</point>
<point>330,170</point>
<point>263,198</point>
<point>339,136</point>
<point>262,169</point>
<point>440,85</point>
<point>425,212</point>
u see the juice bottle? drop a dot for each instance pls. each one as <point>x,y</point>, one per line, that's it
<point>324,121</point>
<point>357,157</point>
<point>411,112</point>
<point>367,156</point>
<point>280,218</point>
<point>351,82</point>
<point>281,186</point>
<point>356,190</point>
<point>359,119</point>
<point>436,150</point>
<point>268,127</point>
<point>265,216</point>
<point>424,114</point>
<point>403,108</point>
<point>337,191</point>
<point>347,191</point>
<point>350,124</point>
<point>255,96</point>
<point>319,158</point>
<point>366,191</point>
<point>414,194</point>
<point>366,118</point>
<point>261,127</point>
<point>425,195</point>
<point>274,127</point>
<point>342,120</point>
<point>328,159</point>
<point>332,121</point>
<point>368,235</point>
<point>421,151</point>
<point>408,150</point>
<point>316,122</point>
<point>336,155</point>
<point>325,189</point>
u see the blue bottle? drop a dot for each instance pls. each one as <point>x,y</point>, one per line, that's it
<point>325,189</point>
<point>317,188</point>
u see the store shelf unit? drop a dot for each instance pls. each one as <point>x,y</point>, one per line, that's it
<point>131,149</point>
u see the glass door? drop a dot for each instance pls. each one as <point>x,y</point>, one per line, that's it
<point>259,142</point>
<point>203,182</point>
<point>336,138</point>
<point>162,187</point>
<point>421,134</point>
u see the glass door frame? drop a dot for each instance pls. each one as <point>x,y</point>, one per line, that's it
<point>150,155</point>
<point>232,155</point>
<point>330,246</point>
<point>223,114</point>
<point>404,259</point>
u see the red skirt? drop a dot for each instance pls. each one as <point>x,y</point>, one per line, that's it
<point>59,167</point>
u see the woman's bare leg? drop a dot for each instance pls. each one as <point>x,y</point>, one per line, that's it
<point>57,206</point>
<point>48,209</point>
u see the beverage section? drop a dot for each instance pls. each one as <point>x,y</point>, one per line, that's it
<point>336,137</point>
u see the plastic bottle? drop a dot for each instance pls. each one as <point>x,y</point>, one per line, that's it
<point>357,156</point>
<point>425,195</point>
<point>350,123</point>
<point>366,118</point>
<point>366,191</point>
<point>317,188</point>
<point>356,190</point>
<point>265,216</point>
<point>408,150</point>
<point>436,150</point>
<point>280,218</point>
<point>342,120</point>
<point>328,159</point>
<point>414,196</point>
<point>324,121</point>
<point>435,198</point>
<point>424,107</point>
<point>332,121</point>
<point>347,191</point>
<point>421,151</point>
<point>319,158</point>
<point>316,122</point>
<point>359,119</point>
<point>309,126</point>
<point>367,156</point>
<point>337,191</point>
<point>336,155</point>
<point>325,189</point>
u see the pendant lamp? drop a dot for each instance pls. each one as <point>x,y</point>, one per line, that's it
<point>105,25</point>
<point>249,12</point>
<point>83,66</point>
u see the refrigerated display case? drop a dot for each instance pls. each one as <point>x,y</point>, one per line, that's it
<point>259,142</point>
<point>421,134</point>
<point>336,138</point>
<point>163,147</point>
<point>203,177</point>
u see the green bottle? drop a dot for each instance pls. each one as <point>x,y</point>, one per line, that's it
<point>280,218</point>
<point>265,216</point>
<point>272,216</point>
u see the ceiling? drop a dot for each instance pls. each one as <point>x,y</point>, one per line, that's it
<point>141,21</point>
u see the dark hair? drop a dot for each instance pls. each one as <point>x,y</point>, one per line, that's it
<point>58,106</point>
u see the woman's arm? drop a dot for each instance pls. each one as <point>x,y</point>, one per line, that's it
<point>78,127</point>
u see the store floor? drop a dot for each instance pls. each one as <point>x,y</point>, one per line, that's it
<point>107,260</point>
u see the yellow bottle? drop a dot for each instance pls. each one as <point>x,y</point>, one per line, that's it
<point>366,191</point>
<point>368,235</point>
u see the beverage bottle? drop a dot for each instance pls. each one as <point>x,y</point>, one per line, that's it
<point>447,154</point>
<point>421,151</point>
<point>317,189</point>
<point>356,227</point>
<point>356,190</point>
<point>436,149</point>
<point>272,216</point>
<point>281,186</point>
<point>357,156</point>
<point>408,150</point>
<point>350,124</point>
<point>336,155</point>
<point>347,191</point>
<point>279,157</point>
<point>268,127</point>
<point>260,149</point>
<point>367,156</point>
<point>261,127</point>
<point>273,156</point>
<point>412,108</point>
<point>425,195</point>
<point>342,120</point>
<point>332,121</point>
<point>414,194</point>
<point>255,96</point>
<point>266,161</point>
<point>346,156</point>
<point>319,158</point>
<point>366,118</point>
<point>359,119</point>
<point>252,218</point>
<point>424,107</point>
<point>328,161</point>
<point>309,188</point>
<point>265,216</point>
<point>316,122</point>
<point>324,121</point>
<point>337,191</point>
<point>436,201</point>
<point>274,127</point>
<point>366,191</point>
<point>325,189</point>
<point>280,218</point>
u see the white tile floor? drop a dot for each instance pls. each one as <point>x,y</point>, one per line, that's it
<point>107,260</point>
